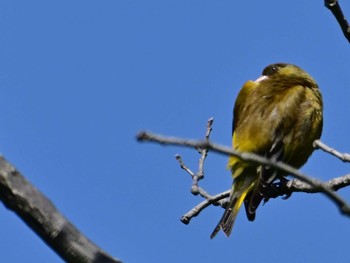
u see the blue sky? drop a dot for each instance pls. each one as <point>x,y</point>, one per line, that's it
<point>79,79</point>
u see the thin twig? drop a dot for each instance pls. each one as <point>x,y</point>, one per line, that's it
<point>183,166</point>
<point>195,189</point>
<point>345,157</point>
<point>198,208</point>
<point>204,151</point>
<point>196,177</point>
<point>249,157</point>
<point>334,7</point>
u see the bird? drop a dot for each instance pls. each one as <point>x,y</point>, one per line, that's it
<point>278,116</point>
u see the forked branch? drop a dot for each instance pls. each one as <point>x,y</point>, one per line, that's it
<point>300,183</point>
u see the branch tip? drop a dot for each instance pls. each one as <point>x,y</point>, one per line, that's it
<point>142,136</point>
<point>185,220</point>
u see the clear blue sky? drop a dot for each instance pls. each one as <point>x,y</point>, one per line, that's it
<point>79,79</point>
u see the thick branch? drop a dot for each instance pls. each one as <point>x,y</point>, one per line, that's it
<point>45,220</point>
<point>335,8</point>
<point>316,184</point>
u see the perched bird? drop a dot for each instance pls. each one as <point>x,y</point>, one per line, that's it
<point>277,116</point>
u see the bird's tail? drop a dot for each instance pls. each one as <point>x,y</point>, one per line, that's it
<point>238,193</point>
<point>267,176</point>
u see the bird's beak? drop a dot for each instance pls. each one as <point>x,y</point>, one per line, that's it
<point>261,78</point>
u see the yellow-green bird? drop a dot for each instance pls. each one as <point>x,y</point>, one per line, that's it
<point>277,116</point>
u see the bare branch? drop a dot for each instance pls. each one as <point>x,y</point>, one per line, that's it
<point>345,157</point>
<point>296,185</point>
<point>339,182</point>
<point>249,157</point>
<point>292,186</point>
<point>198,208</point>
<point>204,151</point>
<point>216,200</point>
<point>335,8</point>
<point>45,220</point>
<point>195,189</point>
<point>196,177</point>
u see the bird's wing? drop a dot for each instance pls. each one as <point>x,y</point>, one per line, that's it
<point>241,102</point>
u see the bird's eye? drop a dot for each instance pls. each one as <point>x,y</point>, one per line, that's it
<point>268,71</point>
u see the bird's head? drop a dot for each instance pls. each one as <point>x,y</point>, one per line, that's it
<point>286,73</point>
